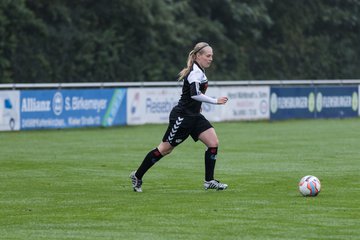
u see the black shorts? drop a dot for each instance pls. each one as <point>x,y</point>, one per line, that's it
<point>180,127</point>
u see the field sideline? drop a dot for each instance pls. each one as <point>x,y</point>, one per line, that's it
<point>73,184</point>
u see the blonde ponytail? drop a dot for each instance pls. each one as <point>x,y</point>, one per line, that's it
<point>191,58</point>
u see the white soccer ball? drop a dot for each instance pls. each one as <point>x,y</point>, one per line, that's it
<point>309,186</point>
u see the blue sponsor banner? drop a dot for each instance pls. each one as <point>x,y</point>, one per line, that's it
<point>72,108</point>
<point>337,102</point>
<point>292,102</point>
<point>314,102</point>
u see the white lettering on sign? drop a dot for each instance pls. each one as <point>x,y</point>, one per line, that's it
<point>79,103</point>
<point>34,105</point>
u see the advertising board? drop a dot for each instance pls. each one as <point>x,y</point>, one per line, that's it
<point>337,102</point>
<point>211,111</point>
<point>314,102</point>
<point>292,102</point>
<point>72,108</point>
<point>9,110</point>
<point>150,105</point>
<point>246,103</point>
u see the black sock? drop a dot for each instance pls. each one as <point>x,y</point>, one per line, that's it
<point>150,159</point>
<point>210,160</point>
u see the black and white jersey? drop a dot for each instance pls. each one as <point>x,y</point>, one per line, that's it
<point>193,92</point>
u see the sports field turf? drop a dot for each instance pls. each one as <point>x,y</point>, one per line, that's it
<point>73,184</point>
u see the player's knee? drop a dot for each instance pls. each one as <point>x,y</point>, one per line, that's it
<point>213,143</point>
<point>166,151</point>
<point>165,148</point>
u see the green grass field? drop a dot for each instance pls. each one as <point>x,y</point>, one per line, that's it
<point>73,184</point>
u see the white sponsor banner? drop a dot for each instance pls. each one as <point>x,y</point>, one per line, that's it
<point>246,103</point>
<point>151,105</point>
<point>212,111</point>
<point>9,110</point>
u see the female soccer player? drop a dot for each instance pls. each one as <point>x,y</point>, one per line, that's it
<point>185,119</point>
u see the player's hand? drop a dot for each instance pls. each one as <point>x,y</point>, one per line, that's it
<point>222,100</point>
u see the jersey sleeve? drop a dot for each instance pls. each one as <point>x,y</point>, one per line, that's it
<point>203,98</point>
<point>195,93</point>
<point>195,76</point>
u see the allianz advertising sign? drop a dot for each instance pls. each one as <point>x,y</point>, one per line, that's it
<point>72,108</point>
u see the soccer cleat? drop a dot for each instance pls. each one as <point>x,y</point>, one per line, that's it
<point>136,182</point>
<point>215,184</point>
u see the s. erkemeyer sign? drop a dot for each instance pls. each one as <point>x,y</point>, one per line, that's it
<point>72,108</point>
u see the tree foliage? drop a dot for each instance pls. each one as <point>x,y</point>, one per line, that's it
<point>141,40</point>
